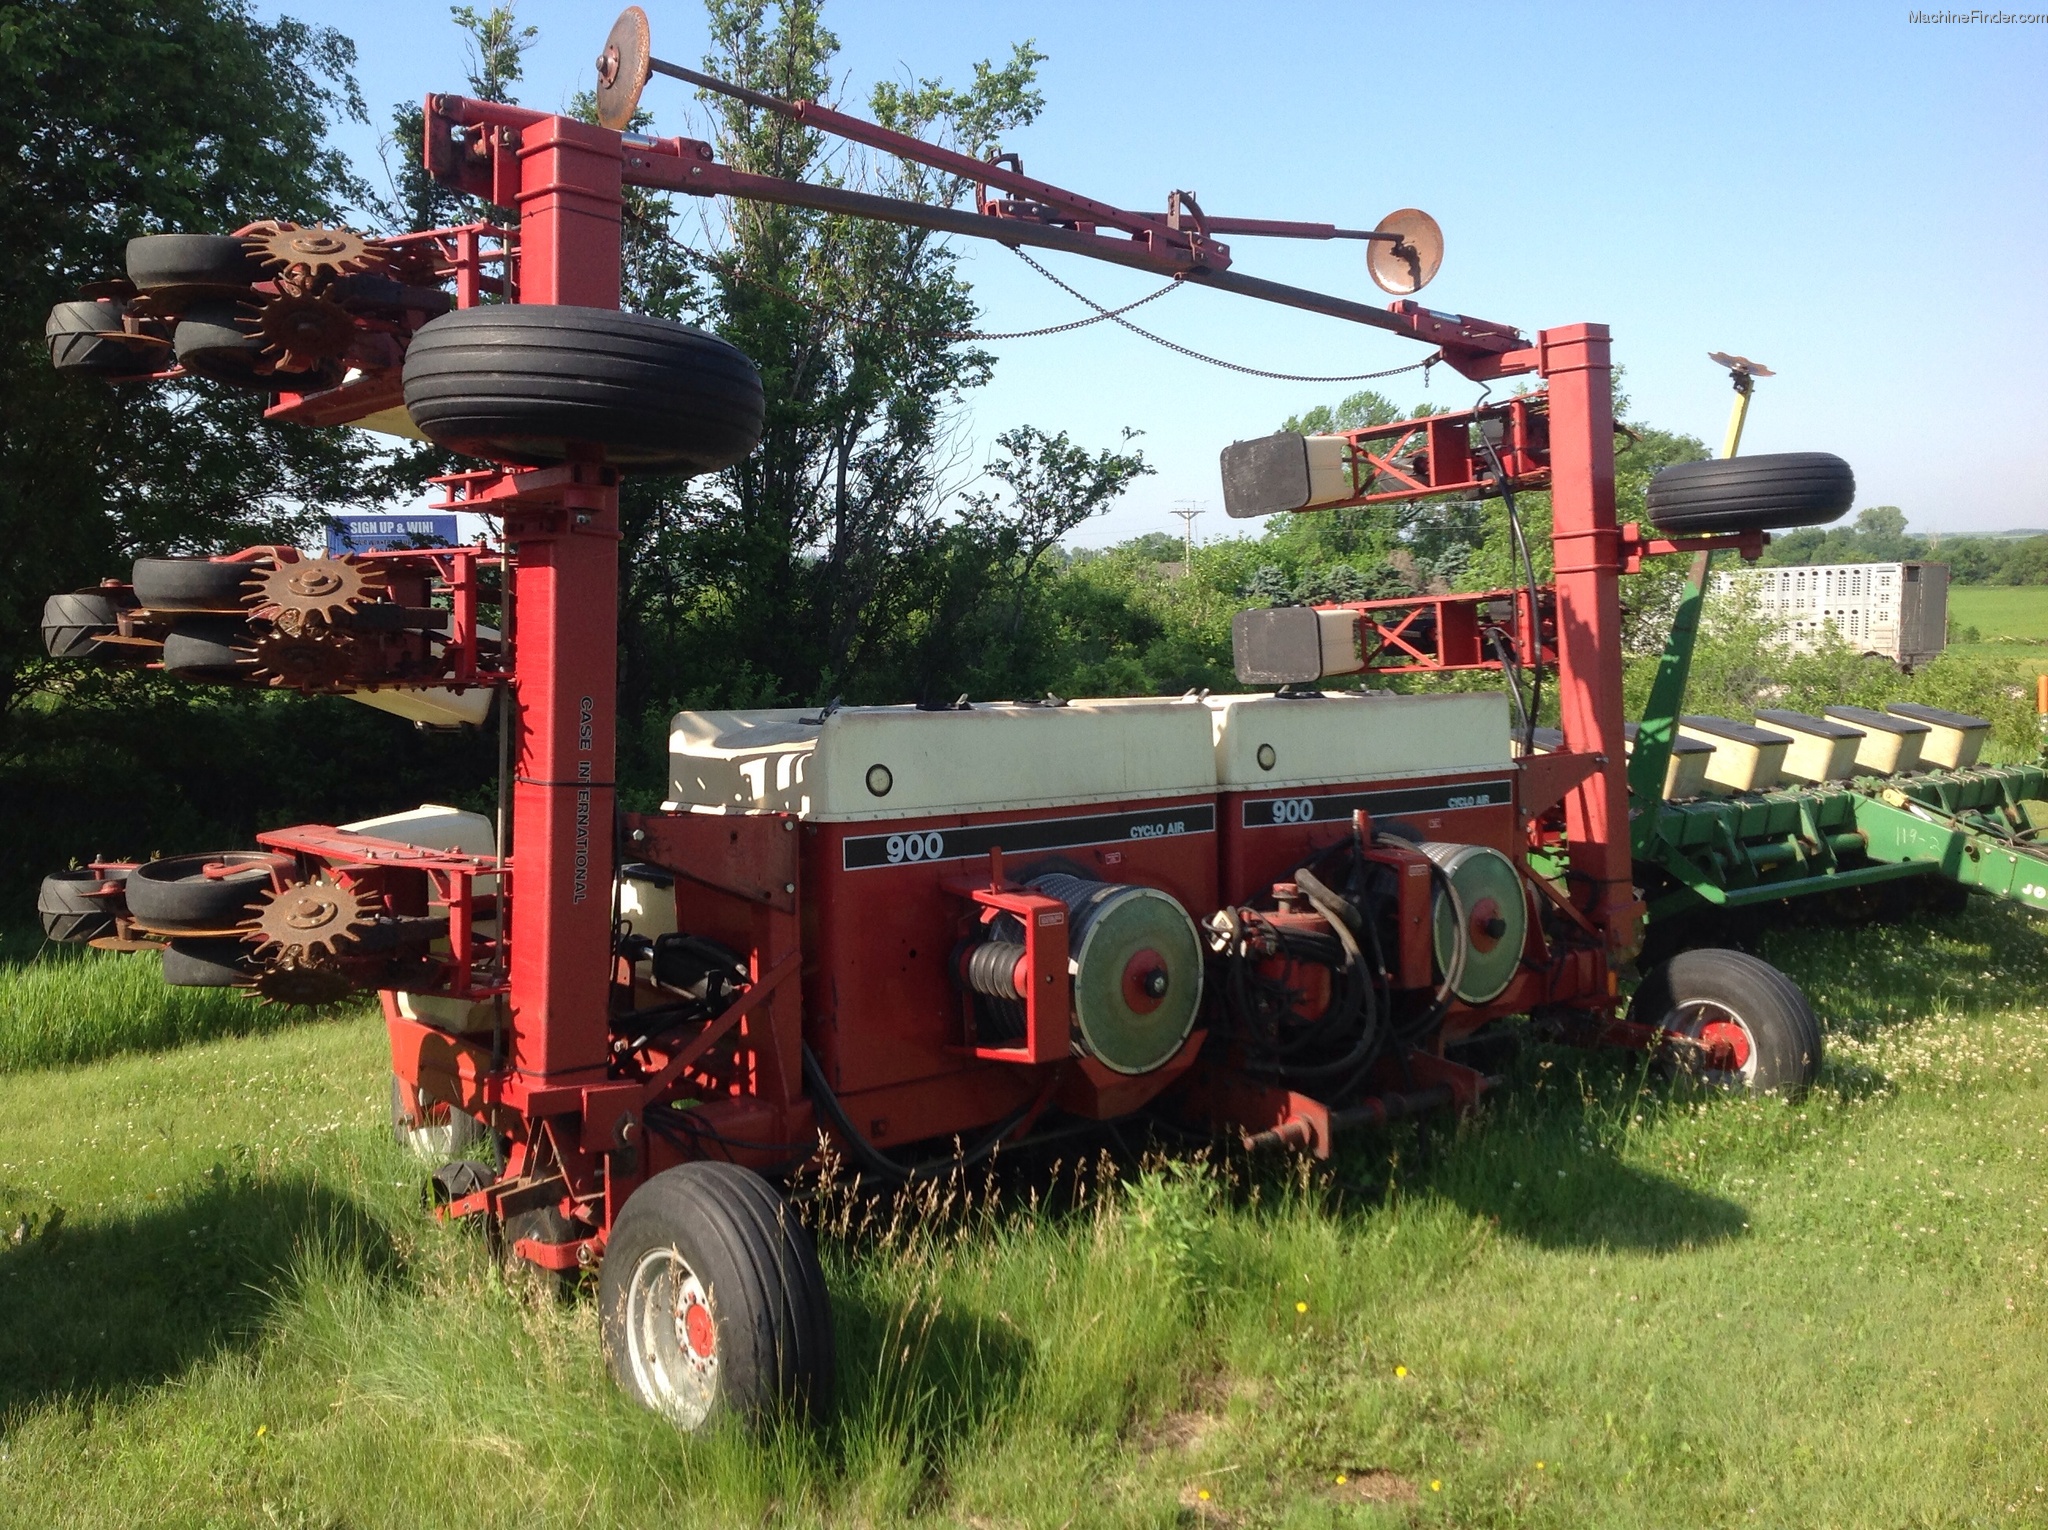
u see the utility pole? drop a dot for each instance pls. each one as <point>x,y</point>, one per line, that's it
<point>1189,509</point>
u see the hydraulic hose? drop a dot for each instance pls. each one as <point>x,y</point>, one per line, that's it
<point>880,1164</point>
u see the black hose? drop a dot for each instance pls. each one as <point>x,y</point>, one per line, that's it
<point>1507,495</point>
<point>880,1164</point>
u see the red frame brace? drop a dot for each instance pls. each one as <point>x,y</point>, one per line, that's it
<point>1048,1008</point>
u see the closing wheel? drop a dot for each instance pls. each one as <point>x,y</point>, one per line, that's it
<point>71,909</point>
<point>712,1301</point>
<point>74,624</point>
<point>88,339</point>
<point>1750,1018</point>
<point>444,1133</point>
<point>531,383</point>
<point>1770,492</point>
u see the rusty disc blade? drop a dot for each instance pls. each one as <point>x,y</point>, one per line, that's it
<point>308,920</point>
<point>1406,265</point>
<point>338,250</point>
<point>316,658</point>
<point>327,588</point>
<point>622,69</point>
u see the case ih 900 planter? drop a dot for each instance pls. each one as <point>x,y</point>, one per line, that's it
<point>918,934</point>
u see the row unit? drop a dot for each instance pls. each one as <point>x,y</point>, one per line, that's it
<point>1719,756</point>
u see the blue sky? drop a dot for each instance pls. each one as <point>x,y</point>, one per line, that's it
<point>1851,198</point>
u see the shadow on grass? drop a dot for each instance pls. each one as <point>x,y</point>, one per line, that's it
<point>102,1307</point>
<point>920,1378</point>
<point>1540,1160</point>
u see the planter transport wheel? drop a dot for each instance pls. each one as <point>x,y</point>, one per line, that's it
<point>1771,492</point>
<point>176,893</point>
<point>70,909</point>
<point>712,1301</point>
<point>216,962</point>
<point>74,624</point>
<point>1731,1000</point>
<point>209,648</point>
<point>529,383</point>
<point>444,1133</point>
<point>189,584</point>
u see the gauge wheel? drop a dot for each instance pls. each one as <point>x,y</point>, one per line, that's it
<point>444,1133</point>
<point>189,584</point>
<point>176,893</point>
<point>1744,1008</point>
<point>712,1302</point>
<point>212,962</point>
<point>74,625</point>
<point>209,649</point>
<point>185,262</point>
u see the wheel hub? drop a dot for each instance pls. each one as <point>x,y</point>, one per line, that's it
<point>672,1338</point>
<point>1727,1050</point>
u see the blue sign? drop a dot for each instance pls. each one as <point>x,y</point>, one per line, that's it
<point>382,533</point>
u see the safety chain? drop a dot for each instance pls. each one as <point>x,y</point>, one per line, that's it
<point>1115,315</point>
<point>1423,365</point>
<point>707,264</point>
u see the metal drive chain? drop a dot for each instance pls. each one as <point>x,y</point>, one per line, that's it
<point>707,264</point>
<point>1116,314</point>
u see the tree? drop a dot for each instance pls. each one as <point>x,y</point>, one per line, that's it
<point>126,118</point>
<point>987,568</point>
<point>832,561</point>
<point>496,49</point>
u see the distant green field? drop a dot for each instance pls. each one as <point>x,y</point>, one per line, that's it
<point>2001,610</point>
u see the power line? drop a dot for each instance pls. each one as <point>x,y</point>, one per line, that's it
<point>1190,508</point>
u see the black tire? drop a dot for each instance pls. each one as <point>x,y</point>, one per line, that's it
<point>158,262</point>
<point>74,624</point>
<point>443,1136</point>
<point>524,384</point>
<point>189,584</point>
<point>220,962</point>
<point>1717,987</point>
<point>211,341</point>
<point>87,339</point>
<point>208,648</point>
<point>176,894</point>
<point>1766,493</point>
<point>69,912</point>
<point>709,1251</point>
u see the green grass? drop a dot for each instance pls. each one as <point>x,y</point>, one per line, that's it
<point>2001,611</point>
<point>68,1004</point>
<point>2011,622</point>
<point>1688,1311</point>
